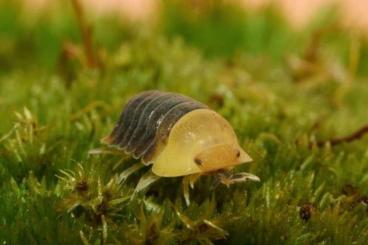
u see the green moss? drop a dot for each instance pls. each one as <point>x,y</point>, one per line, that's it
<point>53,191</point>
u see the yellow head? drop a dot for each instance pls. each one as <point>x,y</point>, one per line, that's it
<point>201,141</point>
<point>220,156</point>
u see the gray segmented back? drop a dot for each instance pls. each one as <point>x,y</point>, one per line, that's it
<point>147,120</point>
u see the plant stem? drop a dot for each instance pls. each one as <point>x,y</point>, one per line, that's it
<point>358,134</point>
<point>86,34</point>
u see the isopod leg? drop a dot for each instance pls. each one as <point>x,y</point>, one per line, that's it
<point>229,179</point>
<point>146,180</point>
<point>106,151</point>
<point>193,179</point>
<point>185,186</point>
<point>129,171</point>
<point>188,182</point>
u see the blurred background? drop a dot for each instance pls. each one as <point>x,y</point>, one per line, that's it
<point>298,13</point>
<point>40,28</point>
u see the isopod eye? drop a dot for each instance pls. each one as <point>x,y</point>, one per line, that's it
<point>218,156</point>
<point>198,161</point>
<point>237,154</point>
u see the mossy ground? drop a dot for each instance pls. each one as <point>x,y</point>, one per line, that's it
<point>283,92</point>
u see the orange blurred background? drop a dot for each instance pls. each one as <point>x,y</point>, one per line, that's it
<point>299,13</point>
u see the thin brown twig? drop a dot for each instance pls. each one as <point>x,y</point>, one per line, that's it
<point>86,34</point>
<point>346,139</point>
<point>91,106</point>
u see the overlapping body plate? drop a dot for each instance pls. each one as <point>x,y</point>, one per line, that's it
<point>146,121</point>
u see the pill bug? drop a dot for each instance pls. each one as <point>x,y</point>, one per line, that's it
<point>178,135</point>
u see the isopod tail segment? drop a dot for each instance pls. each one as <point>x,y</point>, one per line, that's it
<point>178,136</point>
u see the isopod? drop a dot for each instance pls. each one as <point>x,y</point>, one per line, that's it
<point>178,136</point>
